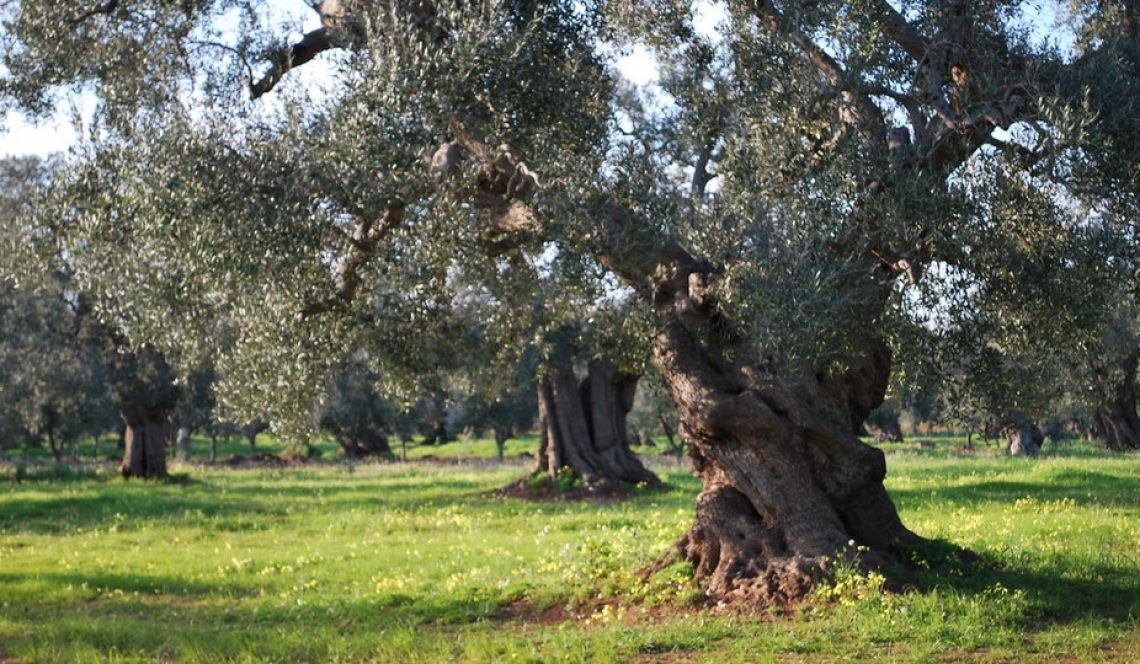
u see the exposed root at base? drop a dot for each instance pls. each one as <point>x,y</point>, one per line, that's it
<point>754,582</point>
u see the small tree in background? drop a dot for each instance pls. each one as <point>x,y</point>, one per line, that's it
<point>653,411</point>
<point>506,409</point>
<point>53,387</point>
<point>355,414</point>
<point>53,384</point>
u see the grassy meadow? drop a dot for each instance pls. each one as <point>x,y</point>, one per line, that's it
<point>424,562</point>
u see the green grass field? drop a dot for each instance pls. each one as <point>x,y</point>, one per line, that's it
<point>423,562</point>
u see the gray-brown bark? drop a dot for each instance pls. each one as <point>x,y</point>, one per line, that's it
<point>364,441</point>
<point>1118,426</point>
<point>787,486</point>
<point>1023,436</point>
<point>885,426</point>
<point>144,390</point>
<point>146,437</point>
<point>584,425</point>
<point>1116,423</point>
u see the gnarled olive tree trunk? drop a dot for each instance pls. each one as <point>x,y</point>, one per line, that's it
<point>1117,422</point>
<point>584,425</point>
<point>1023,436</point>
<point>364,440</point>
<point>787,486</point>
<point>147,433</point>
<point>144,390</point>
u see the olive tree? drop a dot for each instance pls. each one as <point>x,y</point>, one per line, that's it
<point>770,208</point>
<point>53,384</point>
<point>54,387</point>
<point>355,414</point>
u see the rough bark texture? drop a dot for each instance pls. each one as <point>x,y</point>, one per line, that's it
<point>147,433</point>
<point>1023,436</point>
<point>365,441</point>
<point>144,390</point>
<point>788,487</point>
<point>1116,422</point>
<point>584,425</point>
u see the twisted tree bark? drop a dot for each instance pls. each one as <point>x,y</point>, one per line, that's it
<point>788,487</point>
<point>584,425</point>
<point>1117,421</point>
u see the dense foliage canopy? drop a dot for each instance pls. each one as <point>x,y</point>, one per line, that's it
<point>351,208</point>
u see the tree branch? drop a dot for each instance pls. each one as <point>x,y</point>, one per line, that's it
<point>901,31</point>
<point>287,59</point>
<point>105,7</point>
<point>917,119</point>
<point>701,176</point>
<point>363,243</point>
<point>859,111</point>
<point>826,65</point>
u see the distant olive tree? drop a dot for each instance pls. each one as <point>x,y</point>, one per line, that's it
<point>355,414</point>
<point>53,388</point>
<point>53,383</point>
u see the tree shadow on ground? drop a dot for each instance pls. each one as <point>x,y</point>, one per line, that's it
<point>1082,487</point>
<point>1108,590</point>
<point>68,512</point>
<point>96,584</point>
<point>162,618</point>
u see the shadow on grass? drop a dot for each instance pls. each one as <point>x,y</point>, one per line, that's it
<point>128,507</point>
<point>172,621</point>
<point>1056,593</point>
<point>250,504</point>
<point>1082,487</point>
<point>94,585</point>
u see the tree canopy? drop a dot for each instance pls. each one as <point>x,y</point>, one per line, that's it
<point>793,187</point>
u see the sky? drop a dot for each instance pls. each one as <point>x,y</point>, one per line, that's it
<point>18,136</point>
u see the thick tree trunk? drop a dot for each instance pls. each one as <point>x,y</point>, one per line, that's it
<point>435,433</point>
<point>584,425</point>
<point>1119,426</point>
<point>1023,436</point>
<point>788,487</point>
<point>143,387</point>
<point>147,433</point>
<point>1116,422</point>
<point>366,441</point>
<point>885,427</point>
